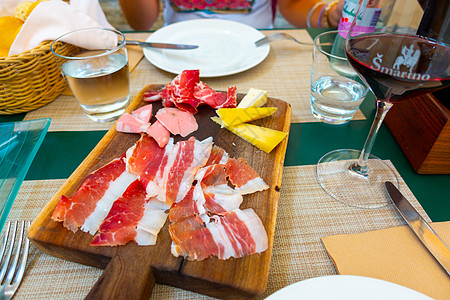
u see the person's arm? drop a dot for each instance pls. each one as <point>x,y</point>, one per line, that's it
<point>296,12</point>
<point>140,14</point>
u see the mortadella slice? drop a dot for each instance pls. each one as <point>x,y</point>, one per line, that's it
<point>159,132</point>
<point>143,113</point>
<point>130,124</point>
<point>177,121</point>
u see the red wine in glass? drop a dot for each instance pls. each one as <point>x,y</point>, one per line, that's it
<point>398,66</point>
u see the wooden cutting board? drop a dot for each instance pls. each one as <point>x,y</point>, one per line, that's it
<point>131,270</point>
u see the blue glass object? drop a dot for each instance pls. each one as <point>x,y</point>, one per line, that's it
<point>19,143</point>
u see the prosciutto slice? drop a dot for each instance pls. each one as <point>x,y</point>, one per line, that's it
<point>133,217</point>
<point>192,239</point>
<point>238,233</point>
<point>180,91</point>
<point>142,153</point>
<point>187,92</point>
<point>155,215</point>
<point>233,234</point>
<point>148,161</point>
<point>119,226</point>
<point>213,192</point>
<point>208,222</point>
<point>217,156</point>
<point>185,208</point>
<point>208,96</point>
<point>184,161</point>
<point>92,201</point>
<point>243,177</point>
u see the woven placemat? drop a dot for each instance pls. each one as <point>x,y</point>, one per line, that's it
<point>285,74</point>
<point>306,214</point>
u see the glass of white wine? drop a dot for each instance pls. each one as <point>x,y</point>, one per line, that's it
<point>96,71</point>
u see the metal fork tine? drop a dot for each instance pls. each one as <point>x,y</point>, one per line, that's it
<point>8,254</point>
<point>23,261</point>
<point>12,267</point>
<point>16,267</point>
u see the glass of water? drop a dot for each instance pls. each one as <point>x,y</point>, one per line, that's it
<point>336,90</point>
<point>97,71</point>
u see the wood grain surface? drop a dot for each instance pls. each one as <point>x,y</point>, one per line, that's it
<point>421,126</point>
<point>131,270</point>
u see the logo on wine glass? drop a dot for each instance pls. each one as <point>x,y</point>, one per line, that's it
<point>409,58</point>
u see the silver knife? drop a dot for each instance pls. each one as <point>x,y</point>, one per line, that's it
<point>424,232</point>
<point>162,45</point>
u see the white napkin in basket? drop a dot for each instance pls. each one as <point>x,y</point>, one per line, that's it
<point>51,19</point>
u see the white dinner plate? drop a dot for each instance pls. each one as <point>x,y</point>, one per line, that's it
<point>225,47</point>
<point>346,287</point>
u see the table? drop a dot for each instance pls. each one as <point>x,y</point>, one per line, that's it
<point>66,145</point>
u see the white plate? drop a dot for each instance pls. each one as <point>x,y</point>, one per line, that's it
<point>346,287</point>
<point>225,47</point>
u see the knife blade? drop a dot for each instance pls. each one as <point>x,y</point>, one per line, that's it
<point>162,45</point>
<point>420,227</point>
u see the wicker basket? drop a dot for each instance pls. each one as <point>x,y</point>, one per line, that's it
<point>31,79</point>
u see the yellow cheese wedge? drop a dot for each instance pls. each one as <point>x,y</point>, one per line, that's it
<point>264,138</point>
<point>254,98</point>
<point>235,116</point>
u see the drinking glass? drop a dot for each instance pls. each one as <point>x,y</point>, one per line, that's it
<point>336,90</point>
<point>96,71</point>
<point>400,48</point>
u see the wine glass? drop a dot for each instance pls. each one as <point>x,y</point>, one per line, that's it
<point>400,48</point>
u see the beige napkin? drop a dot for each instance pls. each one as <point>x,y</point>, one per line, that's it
<point>394,255</point>
<point>51,19</point>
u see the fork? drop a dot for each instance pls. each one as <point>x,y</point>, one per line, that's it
<point>279,36</point>
<point>9,286</point>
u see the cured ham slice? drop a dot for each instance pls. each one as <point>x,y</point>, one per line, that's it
<point>185,208</point>
<point>187,92</point>
<point>130,124</point>
<point>233,234</point>
<point>133,217</point>
<point>153,173</point>
<point>143,113</point>
<point>147,161</point>
<point>119,226</point>
<point>221,199</point>
<point>180,91</point>
<point>212,175</point>
<point>243,177</point>
<point>238,233</point>
<point>92,201</point>
<point>159,132</point>
<point>217,156</point>
<point>151,96</point>
<point>177,121</point>
<point>213,192</point>
<point>208,96</point>
<point>155,215</point>
<point>192,239</point>
<point>184,161</point>
<point>142,153</point>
